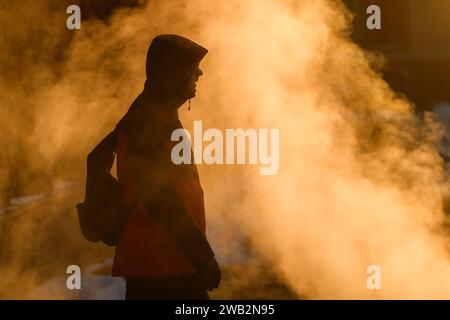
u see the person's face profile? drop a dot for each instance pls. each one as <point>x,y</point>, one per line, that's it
<point>192,83</point>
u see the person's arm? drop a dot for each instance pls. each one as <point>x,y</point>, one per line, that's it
<point>157,195</point>
<point>172,216</point>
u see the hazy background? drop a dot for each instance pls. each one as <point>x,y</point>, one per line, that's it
<point>360,180</point>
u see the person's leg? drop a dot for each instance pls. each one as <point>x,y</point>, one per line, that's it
<point>189,288</point>
<point>165,288</point>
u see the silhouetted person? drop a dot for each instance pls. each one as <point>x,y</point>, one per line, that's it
<point>162,252</point>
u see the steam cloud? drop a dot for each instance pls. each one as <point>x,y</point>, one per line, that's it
<point>360,180</point>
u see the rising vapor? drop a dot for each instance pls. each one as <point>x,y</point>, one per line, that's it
<point>360,181</point>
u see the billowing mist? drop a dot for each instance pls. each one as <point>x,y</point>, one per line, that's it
<point>360,181</point>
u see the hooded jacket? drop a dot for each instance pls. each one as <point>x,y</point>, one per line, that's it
<point>165,232</point>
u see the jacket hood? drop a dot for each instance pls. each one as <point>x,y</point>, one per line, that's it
<point>171,60</point>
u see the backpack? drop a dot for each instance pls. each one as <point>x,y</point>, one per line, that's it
<point>104,213</point>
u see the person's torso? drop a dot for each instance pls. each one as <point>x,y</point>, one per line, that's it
<point>144,249</point>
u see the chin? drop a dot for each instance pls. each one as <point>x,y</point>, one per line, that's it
<point>192,94</point>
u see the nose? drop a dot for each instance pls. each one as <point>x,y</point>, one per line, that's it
<point>199,72</point>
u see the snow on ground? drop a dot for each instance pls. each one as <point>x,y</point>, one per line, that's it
<point>94,286</point>
<point>24,200</point>
<point>60,187</point>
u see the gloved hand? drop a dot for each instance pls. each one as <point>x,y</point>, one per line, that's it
<point>211,274</point>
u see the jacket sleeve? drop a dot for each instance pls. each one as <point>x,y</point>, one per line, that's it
<point>172,216</point>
